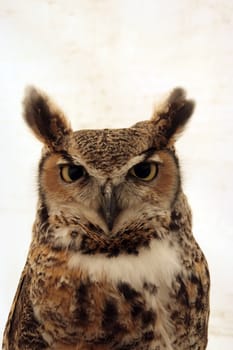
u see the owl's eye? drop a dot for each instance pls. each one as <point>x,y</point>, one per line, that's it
<point>145,171</point>
<point>71,173</point>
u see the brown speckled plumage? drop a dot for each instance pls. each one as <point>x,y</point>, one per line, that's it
<point>113,264</point>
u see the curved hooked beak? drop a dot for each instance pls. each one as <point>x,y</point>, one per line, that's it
<point>109,204</point>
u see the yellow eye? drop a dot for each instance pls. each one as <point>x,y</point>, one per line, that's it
<point>145,171</point>
<point>71,173</point>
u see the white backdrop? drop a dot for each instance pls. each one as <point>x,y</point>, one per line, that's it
<point>106,62</point>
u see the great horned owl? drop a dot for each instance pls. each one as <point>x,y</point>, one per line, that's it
<point>113,264</point>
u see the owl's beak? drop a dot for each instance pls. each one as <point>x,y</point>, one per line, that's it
<point>109,204</point>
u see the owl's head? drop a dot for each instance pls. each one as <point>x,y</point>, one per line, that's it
<point>111,178</point>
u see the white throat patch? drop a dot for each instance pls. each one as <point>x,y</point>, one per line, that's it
<point>157,265</point>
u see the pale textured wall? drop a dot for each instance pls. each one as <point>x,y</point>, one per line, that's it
<point>106,62</point>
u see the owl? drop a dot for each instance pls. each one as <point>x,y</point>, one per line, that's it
<point>112,264</point>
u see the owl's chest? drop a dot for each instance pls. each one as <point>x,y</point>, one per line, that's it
<point>95,297</point>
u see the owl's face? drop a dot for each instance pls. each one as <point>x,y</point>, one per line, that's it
<point>108,178</point>
<point>106,186</point>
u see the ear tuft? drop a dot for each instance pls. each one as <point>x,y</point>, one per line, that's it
<point>46,120</point>
<point>171,117</point>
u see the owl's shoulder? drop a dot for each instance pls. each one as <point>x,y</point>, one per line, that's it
<point>21,323</point>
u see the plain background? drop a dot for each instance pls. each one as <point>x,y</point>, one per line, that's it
<point>106,63</point>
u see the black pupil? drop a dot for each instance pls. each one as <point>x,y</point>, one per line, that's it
<point>142,170</point>
<point>75,172</point>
